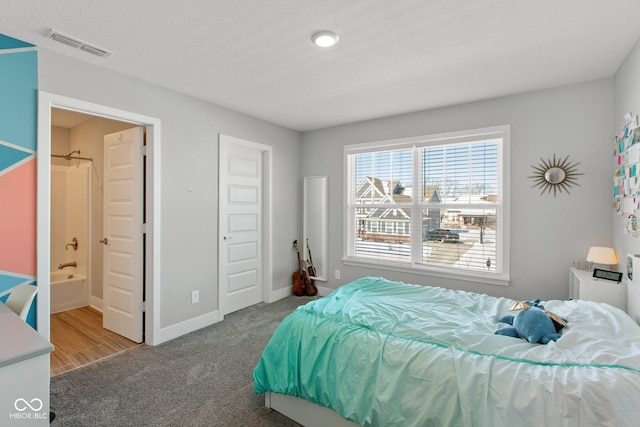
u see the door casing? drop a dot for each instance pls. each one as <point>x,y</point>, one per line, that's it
<point>46,101</point>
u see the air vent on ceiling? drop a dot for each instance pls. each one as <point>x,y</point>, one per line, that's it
<point>78,44</point>
<point>95,50</point>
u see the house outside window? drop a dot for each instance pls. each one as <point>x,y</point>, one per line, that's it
<point>434,204</point>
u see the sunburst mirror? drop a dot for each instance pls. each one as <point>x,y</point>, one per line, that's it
<point>555,175</point>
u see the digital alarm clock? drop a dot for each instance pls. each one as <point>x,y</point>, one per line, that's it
<point>614,276</point>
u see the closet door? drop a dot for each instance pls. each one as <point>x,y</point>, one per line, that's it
<point>240,224</point>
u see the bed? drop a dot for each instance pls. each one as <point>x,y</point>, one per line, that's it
<point>382,353</point>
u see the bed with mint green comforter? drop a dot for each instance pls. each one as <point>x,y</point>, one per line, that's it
<point>385,353</point>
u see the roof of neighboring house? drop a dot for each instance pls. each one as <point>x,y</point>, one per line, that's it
<point>375,189</point>
<point>370,188</point>
<point>392,193</point>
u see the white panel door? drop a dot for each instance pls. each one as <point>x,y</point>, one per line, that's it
<point>123,238</point>
<point>241,191</point>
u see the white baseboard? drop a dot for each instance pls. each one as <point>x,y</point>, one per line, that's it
<point>182,328</point>
<point>96,303</point>
<point>322,291</point>
<point>278,294</point>
<point>283,293</point>
<point>173,331</point>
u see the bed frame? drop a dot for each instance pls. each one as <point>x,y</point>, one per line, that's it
<point>305,413</point>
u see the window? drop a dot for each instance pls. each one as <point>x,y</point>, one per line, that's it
<point>433,204</point>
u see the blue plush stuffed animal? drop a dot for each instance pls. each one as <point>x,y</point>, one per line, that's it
<point>532,323</point>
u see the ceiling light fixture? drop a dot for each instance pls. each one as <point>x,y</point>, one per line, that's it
<point>78,44</point>
<point>325,38</point>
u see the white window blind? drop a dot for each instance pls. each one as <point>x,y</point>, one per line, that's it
<point>433,203</point>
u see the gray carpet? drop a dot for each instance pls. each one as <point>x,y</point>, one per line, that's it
<point>200,379</point>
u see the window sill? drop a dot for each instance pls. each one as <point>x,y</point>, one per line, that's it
<point>401,267</point>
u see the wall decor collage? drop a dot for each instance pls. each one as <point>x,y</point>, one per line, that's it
<point>626,185</point>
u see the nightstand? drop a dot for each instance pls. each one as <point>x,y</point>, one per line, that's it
<point>582,285</point>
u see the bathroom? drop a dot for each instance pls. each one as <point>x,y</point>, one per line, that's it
<point>76,208</point>
<point>76,253</point>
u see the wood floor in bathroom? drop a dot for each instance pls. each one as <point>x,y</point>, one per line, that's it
<point>80,339</point>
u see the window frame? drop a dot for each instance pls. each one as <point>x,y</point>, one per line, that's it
<point>502,276</point>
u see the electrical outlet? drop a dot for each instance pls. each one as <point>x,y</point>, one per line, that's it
<point>337,274</point>
<point>195,297</point>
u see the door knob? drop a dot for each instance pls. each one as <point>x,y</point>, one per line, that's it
<point>105,241</point>
<point>226,238</point>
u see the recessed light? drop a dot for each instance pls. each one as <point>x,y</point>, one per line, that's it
<point>325,38</point>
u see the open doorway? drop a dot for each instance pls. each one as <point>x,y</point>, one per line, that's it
<point>78,332</point>
<point>48,104</point>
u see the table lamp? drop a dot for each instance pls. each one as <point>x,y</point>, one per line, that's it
<point>602,255</point>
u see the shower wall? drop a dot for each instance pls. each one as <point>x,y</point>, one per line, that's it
<point>70,201</point>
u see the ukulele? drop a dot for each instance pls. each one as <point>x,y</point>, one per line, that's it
<point>300,275</point>
<point>311,272</point>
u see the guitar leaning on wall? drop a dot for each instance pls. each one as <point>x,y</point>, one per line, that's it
<point>311,272</point>
<point>300,278</point>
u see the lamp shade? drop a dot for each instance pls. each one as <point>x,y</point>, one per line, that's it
<point>602,255</point>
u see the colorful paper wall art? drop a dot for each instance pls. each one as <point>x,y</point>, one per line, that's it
<point>626,179</point>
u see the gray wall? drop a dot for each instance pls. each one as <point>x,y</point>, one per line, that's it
<point>627,100</point>
<point>547,234</point>
<point>190,129</point>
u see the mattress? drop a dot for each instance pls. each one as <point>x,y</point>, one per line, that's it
<point>380,352</point>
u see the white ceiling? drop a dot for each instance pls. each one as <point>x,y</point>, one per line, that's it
<point>67,118</point>
<point>256,57</point>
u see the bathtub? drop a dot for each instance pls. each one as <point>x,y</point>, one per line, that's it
<point>69,290</point>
